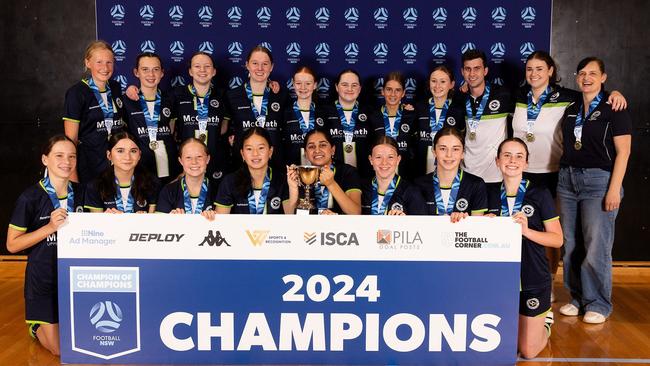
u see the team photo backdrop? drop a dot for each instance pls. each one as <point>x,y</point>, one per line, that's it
<point>329,36</point>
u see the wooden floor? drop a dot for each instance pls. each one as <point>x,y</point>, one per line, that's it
<point>623,340</point>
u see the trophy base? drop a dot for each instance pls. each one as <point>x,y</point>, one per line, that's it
<point>302,212</point>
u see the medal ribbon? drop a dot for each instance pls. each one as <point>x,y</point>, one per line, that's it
<point>51,192</point>
<point>257,208</point>
<point>322,193</point>
<point>187,201</point>
<point>107,111</point>
<point>394,132</point>
<point>453,195</point>
<point>348,126</point>
<point>580,118</point>
<point>436,124</point>
<point>261,115</point>
<point>119,202</point>
<point>304,127</point>
<point>151,121</point>
<point>381,210</point>
<point>201,108</point>
<point>533,110</point>
<point>473,119</point>
<point>519,200</point>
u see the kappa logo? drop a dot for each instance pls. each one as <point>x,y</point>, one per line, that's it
<point>257,237</point>
<point>264,14</point>
<point>439,50</point>
<point>322,50</point>
<point>462,204</point>
<point>309,238</point>
<point>119,47</point>
<point>205,13</point>
<point>293,14</point>
<point>528,14</point>
<point>384,236</point>
<point>235,49</point>
<point>469,14</point>
<point>123,84</point>
<point>380,50</point>
<point>176,13</point>
<point>498,50</point>
<point>351,15</point>
<point>234,14</point>
<point>351,50</point>
<point>439,15</point>
<point>380,15</point>
<point>235,82</point>
<point>467,46</point>
<point>405,128</point>
<point>451,121</point>
<point>323,85</point>
<point>214,239</point>
<point>410,50</point>
<point>214,103</point>
<point>499,14</point>
<point>322,14</point>
<point>528,210</point>
<point>498,81</point>
<point>594,115</point>
<point>117,12</point>
<point>526,49</point>
<point>106,316</point>
<point>267,45</point>
<point>206,47</point>
<point>148,46</point>
<point>494,105</point>
<point>177,48</point>
<point>532,303</point>
<point>146,12</point>
<point>410,15</point>
<point>293,49</point>
<point>178,80</point>
<point>275,203</point>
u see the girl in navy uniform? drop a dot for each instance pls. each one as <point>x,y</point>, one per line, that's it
<point>449,190</point>
<point>193,192</point>
<point>301,117</point>
<point>149,120</point>
<point>388,193</point>
<point>533,208</point>
<point>93,112</point>
<point>40,210</point>
<point>347,121</point>
<point>396,120</point>
<point>590,188</point>
<point>433,114</point>
<point>125,187</point>
<point>253,104</point>
<point>338,190</point>
<point>256,188</point>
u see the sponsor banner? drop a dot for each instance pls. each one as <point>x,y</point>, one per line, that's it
<point>181,289</point>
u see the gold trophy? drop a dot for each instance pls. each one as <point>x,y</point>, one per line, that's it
<point>307,176</point>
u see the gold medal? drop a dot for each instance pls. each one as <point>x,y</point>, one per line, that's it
<point>578,145</point>
<point>348,148</point>
<point>530,137</point>
<point>472,135</point>
<point>203,137</point>
<point>153,145</point>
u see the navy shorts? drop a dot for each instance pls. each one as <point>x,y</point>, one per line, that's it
<point>535,302</point>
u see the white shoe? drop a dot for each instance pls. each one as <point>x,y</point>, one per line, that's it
<point>593,317</point>
<point>569,310</point>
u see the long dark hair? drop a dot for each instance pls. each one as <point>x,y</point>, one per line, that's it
<point>243,179</point>
<point>142,180</point>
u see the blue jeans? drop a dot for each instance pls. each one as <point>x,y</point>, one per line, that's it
<point>588,237</point>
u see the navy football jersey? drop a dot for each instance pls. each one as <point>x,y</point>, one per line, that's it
<point>471,197</point>
<point>406,198</point>
<point>229,195</point>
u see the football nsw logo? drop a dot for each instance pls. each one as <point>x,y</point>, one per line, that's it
<point>106,316</point>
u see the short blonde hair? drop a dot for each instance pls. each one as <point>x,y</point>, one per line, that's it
<point>96,45</point>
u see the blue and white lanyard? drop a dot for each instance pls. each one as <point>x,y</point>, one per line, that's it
<point>187,200</point>
<point>107,111</point>
<point>436,124</point>
<point>322,193</point>
<point>257,207</point>
<point>381,209</point>
<point>201,108</point>
<point>473,119</point>
<point>304,127</point>
<point>260,116</point>
<point>51,192</point>
<point>392,132</point>
<point>348,126</point>
<point>119,202</point>
<point>580,117</point>
<point>533,109</point>
<point>453,195</point>
<point>151,120</point>
<point>519,199</point>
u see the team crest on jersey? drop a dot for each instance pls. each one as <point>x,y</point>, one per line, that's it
<point>594,115</point>
<point>532,303</point>
<point>451,121</point>
<point>217,175</point>
<point>320,122</point>
<point>363,117</point>
<point>275,203</point>
<point>118,101</point>
<point>553,97</point>
<point>405,128</point>
<point>214,103</point>
<point>142,203</point>
<point>528,210</point>
<point>167,112</point>
<point>79,209</point>
<point>397,207</point>
<point>275,106</point>
<point>494,105</point>
<point>462,204</point>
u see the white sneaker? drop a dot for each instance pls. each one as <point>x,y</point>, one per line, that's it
<point>569,310</point>
<point>593,317</point>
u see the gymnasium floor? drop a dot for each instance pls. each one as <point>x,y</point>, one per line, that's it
<point>623,340</point>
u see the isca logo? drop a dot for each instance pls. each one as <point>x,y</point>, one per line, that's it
<point>122,80</point>
<point>293,14</point>
<point>410,85</point>
<point>439,15</point>
<point>439,50</point>
<point>235,82</point>
<point>117,12</point>
<point>528,14</point>
<point>380,50</point>
<point>323,85</point>
<point>498,81</point>
<point>206,47</point>
<point>410,50</point>
<point>498,50</point>
<point>351,50</point>
<point>499,14</point>
<point>469,14</point>
<point>205,13</point>
<point>526,49</point>
<point>380,15</point>
<point>310,238</point>
<point>467,46</point>
<point>410,15</point>
<point>351,15</point>
<point>234,14</point>
<point>235,49</point>
<point>146,12</point>
<point>178,81</point>
<point>322,50</point>
<point>106,316</point>
<point>177,48</point>
<point>264,14</point>
<point>148,46</point>
<point>293,49</point>
<point>119,47</point>
<point>267,45</point>
<point>322,14</point>
<point>176,13</point>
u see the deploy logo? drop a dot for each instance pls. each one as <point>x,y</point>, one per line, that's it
<point>293,17</point>
<point>469,15</point>
<point>117,13</point>
<point>526,49</point>
<point>498,17</point>
<point>234,15</point>
<point>146,15</point>
<point>528,15</point>
<point>206,47</point>
<point>235,51</point>
<point>439,17</point>
<point>322,51</point>
<point>177,48</point>
<point>176,16</point>
<point>410,51</point>
<point>264,17</point>
<point>381,52</point>
<point>235,82</point>
<point>322,16</point>
<point>466,47</point>
<point>293,51</point>
<point>351,51</point>
<point>147,46</point>
<point>381,18</point>
<point>119,49</point>
<point>410,16</point>
<point>498,50</point>
<point>205,14</point>
<point>351,17</point>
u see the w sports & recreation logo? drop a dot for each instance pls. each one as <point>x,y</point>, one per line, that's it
<point>106,316</point>
<point>257,237</point>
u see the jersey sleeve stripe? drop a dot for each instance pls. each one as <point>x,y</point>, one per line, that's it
<point>71,119</point>
<point>552,219</point>
<point>19,228</point>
